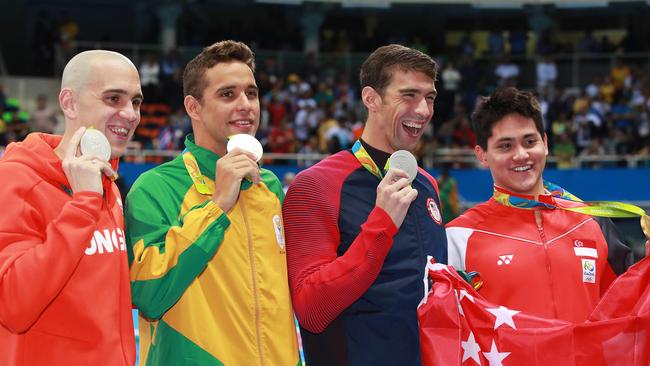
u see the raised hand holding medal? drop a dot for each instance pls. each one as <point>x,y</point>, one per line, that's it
<point>239,163</point>
<point>84,171</point>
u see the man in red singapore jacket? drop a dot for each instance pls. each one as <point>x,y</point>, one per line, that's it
<point>64,279</point>
<point>533,254</point>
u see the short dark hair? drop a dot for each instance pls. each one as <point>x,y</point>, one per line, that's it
<point>224,51</point>
<point>503,102</point>
<point>377,70</point>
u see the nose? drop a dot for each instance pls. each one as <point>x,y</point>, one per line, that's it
<point>244,103</point>
<point>520,153</point>
<point>129,114</point>
<point>422,109</point>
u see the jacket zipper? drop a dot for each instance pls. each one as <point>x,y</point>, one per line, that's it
<point>542,236</point>
<point>254,279</point>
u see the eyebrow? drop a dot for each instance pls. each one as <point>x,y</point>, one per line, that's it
<point>416,91</point>
<point>230,87</point>
<point>123,92</point>
<point>503,139</point>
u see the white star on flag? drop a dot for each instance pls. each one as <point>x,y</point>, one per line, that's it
<point>504,316</point>
<point>494,356</point>
<point>471,349</point>
<point>464,293</point>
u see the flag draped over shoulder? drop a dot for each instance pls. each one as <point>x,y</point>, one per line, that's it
<point>459,327</point>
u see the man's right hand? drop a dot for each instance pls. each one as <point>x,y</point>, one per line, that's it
<point>394,195</point>
<point>231,169</point>
<point>84,173</point>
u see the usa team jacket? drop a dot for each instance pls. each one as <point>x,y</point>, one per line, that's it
<point>356,280</point>
<point>559,270</point>
<point>211,287</point>
<point>64,277</point>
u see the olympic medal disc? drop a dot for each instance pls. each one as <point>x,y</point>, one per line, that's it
<point>94,143</point>
<point>247,143</point>
<point>405,161</point>
<point>645,225</point>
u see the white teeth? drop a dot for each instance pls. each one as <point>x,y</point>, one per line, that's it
<point>119,131</point>
<point>413,124</point>
<point>522,168</point>
<point>242,123</point>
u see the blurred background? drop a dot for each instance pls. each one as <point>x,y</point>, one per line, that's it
<point>587,60</point>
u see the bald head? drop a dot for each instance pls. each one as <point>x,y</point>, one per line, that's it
<point>79,70</point>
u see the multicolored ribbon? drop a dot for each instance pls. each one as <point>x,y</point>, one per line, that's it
<point>366,161</point>
<point>593,208</point>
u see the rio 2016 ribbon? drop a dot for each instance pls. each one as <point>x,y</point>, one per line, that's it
<point>594,208</point>
<point>195,173</point>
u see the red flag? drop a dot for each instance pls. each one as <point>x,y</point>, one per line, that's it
<point>459,327</point>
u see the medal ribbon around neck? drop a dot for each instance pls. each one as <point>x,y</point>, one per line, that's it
<point>593,208</point>
<point>195,173</point>
<point>366,161</point>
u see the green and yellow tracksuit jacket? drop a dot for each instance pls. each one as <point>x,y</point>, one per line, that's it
<point>211,287</point>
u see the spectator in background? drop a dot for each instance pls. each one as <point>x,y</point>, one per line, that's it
<point>496,43</point>
<point>518,42</point>
<point>287,180</point>
<point>588,43</point>
<point>506,72</point>
<point>564,150</point>
<point>546,74</point>
<point>451,79</point>
<point>449,200</point>
<point>43,118</point>
<point>150,76</point>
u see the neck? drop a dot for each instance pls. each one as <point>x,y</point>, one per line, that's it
<point>208,143</point>
<point>62,147</point>
<point>374,137</point>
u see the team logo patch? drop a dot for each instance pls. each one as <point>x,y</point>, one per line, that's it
<point>434,212</point>
<point>279,231</point>
<point>505,259</point>
<point>589,270</point>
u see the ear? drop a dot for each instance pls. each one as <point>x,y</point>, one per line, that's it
<point>192,107</point>
<point>480,155</point>
<point>67,103</point>
<point>545,138</point>
<point>371,99</point>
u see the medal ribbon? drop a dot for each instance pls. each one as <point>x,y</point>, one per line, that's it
<point>195,173</point>
<point>593,208</point>
<point>366,161</point>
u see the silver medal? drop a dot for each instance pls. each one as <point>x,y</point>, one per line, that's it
<point>247,143</point>
<point>94,143</point>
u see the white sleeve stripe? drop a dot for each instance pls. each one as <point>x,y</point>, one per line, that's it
<point>457,238</point>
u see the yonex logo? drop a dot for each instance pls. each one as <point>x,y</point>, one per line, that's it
<point>505,259</point>
<point>105,241</point>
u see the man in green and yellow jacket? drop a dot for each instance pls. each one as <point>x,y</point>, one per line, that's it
<point>208,267</point>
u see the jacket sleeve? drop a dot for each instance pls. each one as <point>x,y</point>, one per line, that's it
<point>323,284</point>
<point>167,252</point>
<point>38,258</point>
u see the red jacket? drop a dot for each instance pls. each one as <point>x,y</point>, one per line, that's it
<point>64,281</point>
<point>559,270</point>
